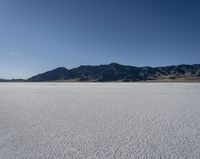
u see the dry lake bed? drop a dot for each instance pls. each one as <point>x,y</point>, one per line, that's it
<point>99,120</point>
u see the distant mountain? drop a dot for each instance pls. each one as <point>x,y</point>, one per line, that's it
<point>12,80</point>
<point>117,72</point>
<point>60,73</point>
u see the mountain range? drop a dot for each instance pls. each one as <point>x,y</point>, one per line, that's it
<point>121,73</point>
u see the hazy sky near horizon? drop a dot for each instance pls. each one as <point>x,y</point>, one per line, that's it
<point>39,35</point>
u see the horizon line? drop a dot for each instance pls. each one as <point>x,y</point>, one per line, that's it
<point>99,65</point>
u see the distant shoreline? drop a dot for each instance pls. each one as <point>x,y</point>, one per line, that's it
<point>151,81</point>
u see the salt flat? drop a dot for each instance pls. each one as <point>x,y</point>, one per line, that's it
<point>99,120</point>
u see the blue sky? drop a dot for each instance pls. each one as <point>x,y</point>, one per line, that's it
<point>39,35</point>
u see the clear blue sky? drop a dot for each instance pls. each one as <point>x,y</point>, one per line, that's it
<point>39,35</point>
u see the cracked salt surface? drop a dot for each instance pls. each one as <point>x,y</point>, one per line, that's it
<point>99,120</point>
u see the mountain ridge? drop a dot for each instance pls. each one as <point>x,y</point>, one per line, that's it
<point>123,73</point>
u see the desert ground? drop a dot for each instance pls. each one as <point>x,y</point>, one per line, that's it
<point>99,120</point>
